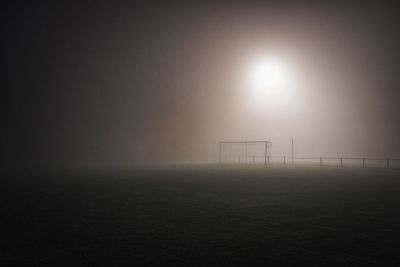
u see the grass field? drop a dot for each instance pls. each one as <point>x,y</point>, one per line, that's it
<point>203,215</point>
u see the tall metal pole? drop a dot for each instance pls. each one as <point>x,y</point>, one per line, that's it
<point>266,152</point>
<point>220,152</point>
<point>245,151</point>
<point>292,152</point>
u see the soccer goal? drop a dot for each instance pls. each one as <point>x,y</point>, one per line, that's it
<point>244,152</point>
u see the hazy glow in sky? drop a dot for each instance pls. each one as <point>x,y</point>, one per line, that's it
<point>117,84</point>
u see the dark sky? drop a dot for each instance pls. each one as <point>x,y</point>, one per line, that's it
<point>110,85</point>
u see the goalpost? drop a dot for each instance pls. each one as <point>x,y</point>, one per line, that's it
<point>239,152</point>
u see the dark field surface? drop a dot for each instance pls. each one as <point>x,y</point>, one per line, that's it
<point>203,216</point>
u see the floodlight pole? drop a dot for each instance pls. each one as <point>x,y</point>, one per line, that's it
<point>266,152</point>
<point>220,152</point>
<point>245,151</point>
<point>292,152</point>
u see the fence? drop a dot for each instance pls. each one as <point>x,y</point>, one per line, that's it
<point>316,161</point>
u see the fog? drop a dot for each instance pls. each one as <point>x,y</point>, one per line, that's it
<point>114,86</point>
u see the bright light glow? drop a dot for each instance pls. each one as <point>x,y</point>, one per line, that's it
<point>270,84</point>
<point>269,76</point>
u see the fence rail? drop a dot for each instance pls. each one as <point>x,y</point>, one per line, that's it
<point>363,162</point>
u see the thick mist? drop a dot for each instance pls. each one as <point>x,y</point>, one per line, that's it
<point>114,86</point>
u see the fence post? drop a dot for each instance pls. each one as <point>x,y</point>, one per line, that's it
<point>387,163</point>
<point>341,162</point>
<point>268,160</point>
<point>320,161</point>
<point>363,161</point>
<point>239,159</point>
<point>284,160</point>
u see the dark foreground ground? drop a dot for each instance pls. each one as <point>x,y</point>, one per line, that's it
<point>203,216</point>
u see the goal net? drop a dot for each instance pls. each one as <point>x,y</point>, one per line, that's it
<point>242,152</point>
